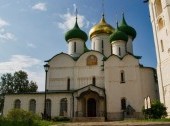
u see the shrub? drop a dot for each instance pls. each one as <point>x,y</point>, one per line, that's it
<point>157,110</point>
<point>19,117</point>
<point>61,118</point>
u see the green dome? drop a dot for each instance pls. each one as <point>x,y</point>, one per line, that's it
<point>76,32</point>
<point>124,27</point>
<point>118,35</point>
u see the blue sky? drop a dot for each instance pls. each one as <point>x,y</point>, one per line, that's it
<point>32,31</point>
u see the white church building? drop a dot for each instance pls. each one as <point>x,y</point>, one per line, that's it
<point>160,19</point>
<point>106,81</point>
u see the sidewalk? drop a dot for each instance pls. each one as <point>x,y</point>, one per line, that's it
<point>115,123</point>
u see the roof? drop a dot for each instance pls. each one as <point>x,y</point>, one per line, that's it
<point>124,27</point>
<point>76,32</point>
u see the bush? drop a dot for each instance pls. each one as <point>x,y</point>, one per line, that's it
<point>157,110</point>
<point>19,117</point>
<point>61,118</point>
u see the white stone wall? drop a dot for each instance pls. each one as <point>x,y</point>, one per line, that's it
<point>96,44</point>
<point>136,81</point>
<point>83,73</point>
<point>119,44</point>
<point>39,98</point>
<point>79,47</point>
<point>129,45</point>
<point>162,50</point>
<point>61,68</point>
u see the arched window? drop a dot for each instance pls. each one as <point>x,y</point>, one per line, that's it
<point>94,81</point>
<point>74,46</point>
<point>48,107</point>
<point>68,84</point>
<point>32,106</point>
<point>160,23</point>
<point>123,104</point>
<point>122,76</point>
<point>63,107</point>
<point>17,104</point>
<point>162,46</point>
<point>158,7</point>
<point>91,60</point>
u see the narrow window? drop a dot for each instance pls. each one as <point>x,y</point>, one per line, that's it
<point>160,23</point>
<point>17,104</point>
<point>119,51</point>
<point>74,46</point>
<point>158,7</point>
<point>102,47</point>
<point>48,107</point>
<point>123,104</point>
<point>32,106</point>
<point>162,46</point>
<point>93,45</point>
<point>94,81</point>
<point>68,84</point>
<point>63,107</point>
<point>122,77</point>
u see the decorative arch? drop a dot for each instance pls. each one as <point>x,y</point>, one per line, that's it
<point>17,104</point>
<point>32,105</point>
<point>63,107</point>
<point>91,60</point>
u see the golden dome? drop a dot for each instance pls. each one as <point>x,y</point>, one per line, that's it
<point>101,27</point>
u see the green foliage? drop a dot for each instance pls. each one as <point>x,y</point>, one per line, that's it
<point>20,114</point>
<point>30,120</point>
<point>16,83</point>
<point>19,117</point>
<point>61,118</point>
<point>157,110</point>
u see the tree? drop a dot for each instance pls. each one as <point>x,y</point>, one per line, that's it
<point>157,110</point>
<point>16,83</point>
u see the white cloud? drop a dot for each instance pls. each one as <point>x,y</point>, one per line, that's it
<point>40,7</point>
<point>68,20</point>
<point>4,35</point>
<point>31,65</point>
<point>31,45</point>
<point>3,23</point>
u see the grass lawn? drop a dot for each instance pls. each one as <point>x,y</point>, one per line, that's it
<point>26,123</point>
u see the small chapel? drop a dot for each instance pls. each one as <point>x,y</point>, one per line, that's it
<point>105,82</point>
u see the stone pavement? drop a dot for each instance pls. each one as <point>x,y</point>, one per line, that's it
<point>115,123</point>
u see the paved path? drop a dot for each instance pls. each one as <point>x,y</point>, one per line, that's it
<point>116,123</point>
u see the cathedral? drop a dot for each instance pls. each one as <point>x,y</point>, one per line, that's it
<point>105,82</point>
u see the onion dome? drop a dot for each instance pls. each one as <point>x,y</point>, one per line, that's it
<point>118,35</point>
<point>101,27</point>
<point>76,32</point>
<point>124,27</point>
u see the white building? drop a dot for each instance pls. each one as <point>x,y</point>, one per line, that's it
<point>106,81</point>
<point>160,19</point>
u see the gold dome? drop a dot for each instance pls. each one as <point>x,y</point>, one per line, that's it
<point>101,27</point>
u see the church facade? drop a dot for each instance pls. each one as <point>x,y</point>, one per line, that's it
<point>105,81</point>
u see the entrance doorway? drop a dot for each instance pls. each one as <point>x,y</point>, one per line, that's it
<point>91,107</point>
